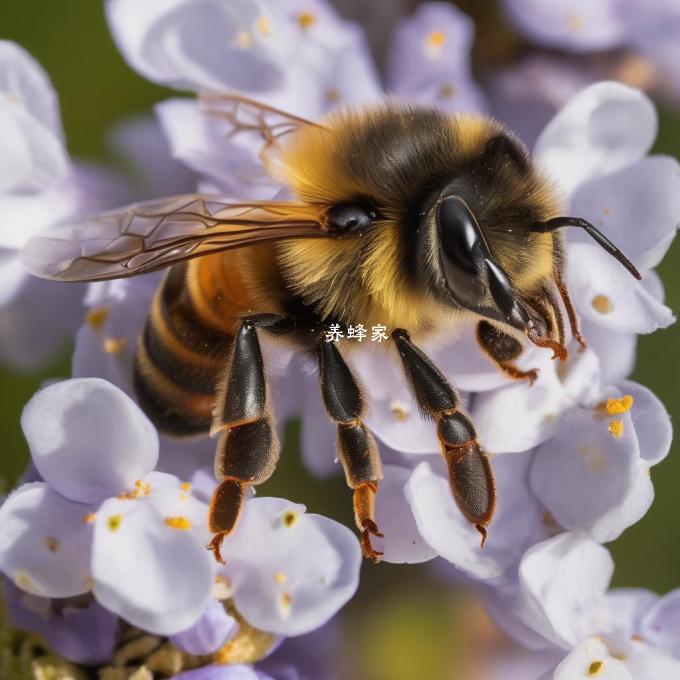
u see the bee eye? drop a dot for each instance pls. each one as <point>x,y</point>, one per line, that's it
<point>346,218</point>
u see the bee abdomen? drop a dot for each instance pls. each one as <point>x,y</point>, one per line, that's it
<point>178,361</point>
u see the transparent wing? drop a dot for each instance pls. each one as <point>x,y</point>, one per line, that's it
<point>148,236</point>
<point>247,118</point>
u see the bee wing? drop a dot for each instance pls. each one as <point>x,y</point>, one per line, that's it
<point>151,235</point>
<point>247,118</point>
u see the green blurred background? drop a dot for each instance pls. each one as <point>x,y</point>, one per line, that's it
<point>400,621</point>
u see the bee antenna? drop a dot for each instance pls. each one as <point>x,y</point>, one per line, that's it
<point>602,240</point>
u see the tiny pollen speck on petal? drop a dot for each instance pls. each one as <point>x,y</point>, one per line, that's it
<point>616,428</point>
<point>290,518</point>
<point>52,544</point>
<point>114,522</point>
<point>306,19</point>
<point>263,26</point>
<point>89,518</point>
<point>181,523</point>
<point>280,577</point>
<point>595,668</point>
<point>96,318</point>
<point>285,602</point>
<point>115,345</point>
<point>602,304</point>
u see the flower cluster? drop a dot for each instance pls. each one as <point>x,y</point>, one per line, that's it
<point>108,533</point>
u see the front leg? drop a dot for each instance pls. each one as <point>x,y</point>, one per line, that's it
<point>503,349</point>
<point>357,449</point>
<point>470,475</point>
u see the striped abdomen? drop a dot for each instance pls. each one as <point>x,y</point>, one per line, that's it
<point>184,348</point>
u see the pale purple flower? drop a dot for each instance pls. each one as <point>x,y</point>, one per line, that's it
<point>40,187</point>
<point>231,672</point>
<point>103,520</point>
<point>290,570</point>
<point>299,54</point>
<point>577,25</point>
<point>209,633</point>
<point>82,632</point>
<point>429,59</point>
<point>560,602</point>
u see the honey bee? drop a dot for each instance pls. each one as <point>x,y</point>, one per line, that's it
<point>400,214</point>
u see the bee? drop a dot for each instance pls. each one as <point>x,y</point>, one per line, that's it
<point>397,214</point>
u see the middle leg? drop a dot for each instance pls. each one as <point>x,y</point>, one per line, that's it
<point>357,449</point>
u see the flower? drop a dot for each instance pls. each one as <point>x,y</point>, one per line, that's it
<point>103,520</point>
<point>39,187</point>
<point>560,601</point>
<point>80,631</point>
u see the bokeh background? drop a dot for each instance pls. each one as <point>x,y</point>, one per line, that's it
<point>404,618</point>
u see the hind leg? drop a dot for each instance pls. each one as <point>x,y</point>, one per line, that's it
<point>357,449</point>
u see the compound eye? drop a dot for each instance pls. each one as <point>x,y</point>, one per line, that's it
<point>347,218</point>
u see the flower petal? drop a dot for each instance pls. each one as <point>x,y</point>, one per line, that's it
<point>290,571</point>
<point>585,476</point>
<point>445,529</point>
<point>198,45</point>
<point>85,634</point>
<point>201,142</point>
<point>141,560</point>
<point>661,625</point>
<point>32,152</point>
<point>88,439</point>
<point>45,542</point>
<point>402,544</point>
<point>589,657</point>
<point>637,207</point>
<point>231,672</point>
<point>430,59</point>
<point>652,423</point>
<point>605,127</point>
<point>522,416</point>
<point>209,633</point>
<point>605,293</point>
<point>106,342</point>
<point>563,581</point>
<point>575,25</point>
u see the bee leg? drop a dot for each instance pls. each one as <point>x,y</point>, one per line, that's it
<point>502,349</point>
<point>357,449</point>
<point>470,474</point>
<point>248,447</point>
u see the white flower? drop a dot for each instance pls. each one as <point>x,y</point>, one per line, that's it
<point>560,602</point>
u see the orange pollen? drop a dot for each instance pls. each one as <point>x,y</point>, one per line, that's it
<point>306,19</point>
<point>264,26</point>
<point>89,518</point>
<point>95,318</point>
<point>185,486</point>
<point>618,406</point>
<point>616,428</point>
<point>115,345</point>
<point>435,39</point>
